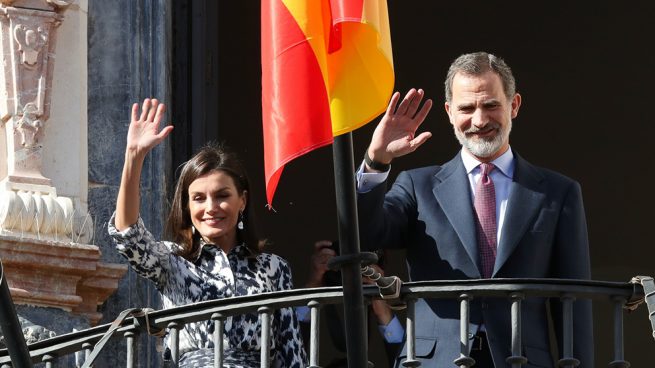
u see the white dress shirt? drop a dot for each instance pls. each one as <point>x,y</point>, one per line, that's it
<point>502,176</point>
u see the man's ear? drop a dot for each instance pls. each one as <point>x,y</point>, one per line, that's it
<point>446,106</point>
<point>516,104</point>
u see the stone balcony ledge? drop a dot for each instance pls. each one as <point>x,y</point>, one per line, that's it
<point>62,275</point>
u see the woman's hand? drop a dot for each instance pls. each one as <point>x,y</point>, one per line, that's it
<point>144,134</point>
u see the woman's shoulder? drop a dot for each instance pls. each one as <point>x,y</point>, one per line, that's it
<point>272,259</point>
<point>277,269</point>
<point>272,263</point>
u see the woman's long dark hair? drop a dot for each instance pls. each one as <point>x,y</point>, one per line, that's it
<point>212,157</point>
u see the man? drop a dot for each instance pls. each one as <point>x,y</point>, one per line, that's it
<point>320,275</point>
<point>467,219</point>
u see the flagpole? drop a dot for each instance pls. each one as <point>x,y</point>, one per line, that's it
<point>350,258</point>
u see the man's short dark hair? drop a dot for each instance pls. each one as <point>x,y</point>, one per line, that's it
<point>478,63</point>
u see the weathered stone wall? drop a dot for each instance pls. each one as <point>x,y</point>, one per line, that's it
<point>129,53</point>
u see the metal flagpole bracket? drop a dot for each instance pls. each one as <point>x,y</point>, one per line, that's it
<point>363,258</point>
<point>648,296</point>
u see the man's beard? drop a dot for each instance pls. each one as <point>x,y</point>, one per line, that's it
<point>484,147</point>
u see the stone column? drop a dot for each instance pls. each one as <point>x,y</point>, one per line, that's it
<point>29,205</point>
<point>43,235</point>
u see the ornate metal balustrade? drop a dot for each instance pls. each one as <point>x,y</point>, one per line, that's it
<point>516,290</point>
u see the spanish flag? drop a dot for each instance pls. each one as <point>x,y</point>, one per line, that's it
<point>327,69</point>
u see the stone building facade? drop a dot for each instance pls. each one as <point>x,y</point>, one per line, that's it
<point>70,70</point>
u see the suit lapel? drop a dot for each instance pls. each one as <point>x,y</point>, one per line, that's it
<point>526,196</point>
<point>451,188</point>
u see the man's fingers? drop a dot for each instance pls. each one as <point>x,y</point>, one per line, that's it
<point>392,103</point>
<point>423,113</point>
<point>322,244</point>
<point>404,104</point>
<point>327,252</point>
<point>415,103</point>
<point>419,140</point>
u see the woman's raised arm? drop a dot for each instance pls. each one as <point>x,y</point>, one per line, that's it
<point>142,136</point>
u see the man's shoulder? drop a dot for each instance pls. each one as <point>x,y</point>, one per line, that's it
<point>436,170</point>
<point>523,167</point>
<point>424,170</point>
<point>420,175</point>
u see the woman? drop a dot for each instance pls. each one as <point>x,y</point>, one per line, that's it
<point>214,252</point>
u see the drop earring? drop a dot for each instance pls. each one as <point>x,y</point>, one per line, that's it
<point>240,223</point>
<point>193,230</point>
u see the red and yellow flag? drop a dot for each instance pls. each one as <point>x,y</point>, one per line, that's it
<point>327,69</point>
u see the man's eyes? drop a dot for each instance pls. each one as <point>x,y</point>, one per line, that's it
<point>470,109</point>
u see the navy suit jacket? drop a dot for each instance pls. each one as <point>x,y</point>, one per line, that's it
<point>429,212</point>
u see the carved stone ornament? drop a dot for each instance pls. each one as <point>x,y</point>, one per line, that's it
<point>30,41</point>
<point>29,126</point>
<point>29,205</point>
<point>27,75</point>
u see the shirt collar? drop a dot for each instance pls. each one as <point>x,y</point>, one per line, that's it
<point>239,249</point>
<point>504,163</point>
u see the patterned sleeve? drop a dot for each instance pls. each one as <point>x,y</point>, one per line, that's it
<point>148,257</point>
<point>290,351</point>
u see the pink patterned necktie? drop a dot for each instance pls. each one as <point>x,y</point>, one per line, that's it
<point>485,219</point>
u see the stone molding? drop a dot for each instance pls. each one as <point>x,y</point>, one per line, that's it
<point>50,5</point>
<point>68,276</point>
<point>41,216</point>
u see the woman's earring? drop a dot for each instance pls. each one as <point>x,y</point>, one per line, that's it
<point>240,223</point>
<point>193,230</point>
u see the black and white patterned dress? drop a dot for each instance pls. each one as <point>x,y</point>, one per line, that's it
<point>215,275</point>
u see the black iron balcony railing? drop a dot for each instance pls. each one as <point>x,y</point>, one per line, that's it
<point>617,294</point>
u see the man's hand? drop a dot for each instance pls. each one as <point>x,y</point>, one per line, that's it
<point>395,135</point>
<point>319,260</point>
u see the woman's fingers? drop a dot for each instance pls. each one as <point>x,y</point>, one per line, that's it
<point>135,111</point>
<point>153,109</point>
<point>164,132</point>
<point>159,115</point>
<point>144,109</point>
